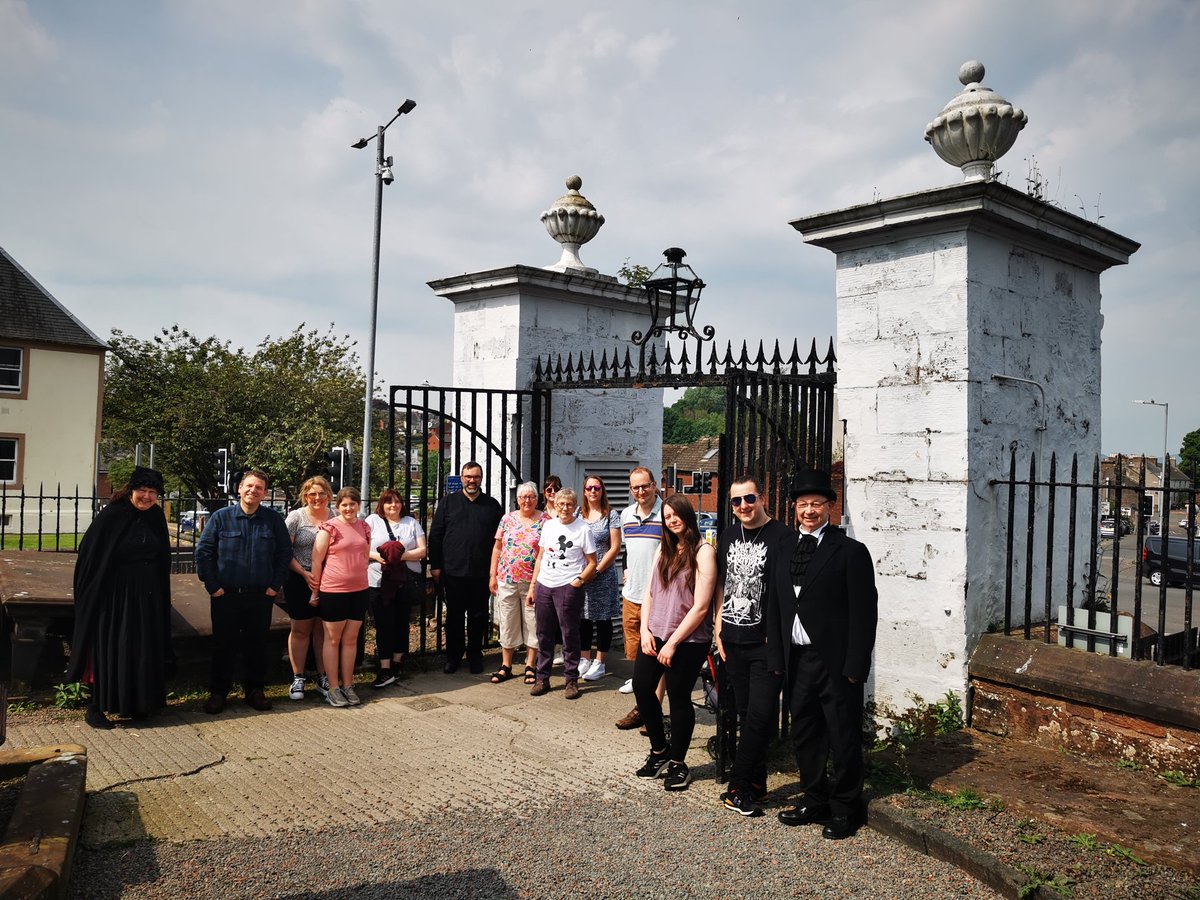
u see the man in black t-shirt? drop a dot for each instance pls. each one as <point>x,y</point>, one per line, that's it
<point>743,555</point>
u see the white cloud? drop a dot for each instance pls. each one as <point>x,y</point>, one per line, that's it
<point>191,161</point>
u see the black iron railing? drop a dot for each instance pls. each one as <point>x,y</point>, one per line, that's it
<point>1088,546</point>
<point>55,521</point>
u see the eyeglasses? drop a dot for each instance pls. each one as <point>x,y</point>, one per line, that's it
<point>815,505</point>
<point>638,488</point>
<point>551,490</point>
<point>748,499</point>
<point>594,487</point>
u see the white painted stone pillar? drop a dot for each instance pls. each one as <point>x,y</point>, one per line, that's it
<point>937,292</point>
<point>505,319</point>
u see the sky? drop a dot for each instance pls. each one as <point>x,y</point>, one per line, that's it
<point>189,161</point>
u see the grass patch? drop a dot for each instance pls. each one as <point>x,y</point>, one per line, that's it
<point>1119,852</point>
<point>1084,840</point>
<point>1060,884</point>
<point>963,798</point>
<point>1179,779</point>
<point>44,541</point>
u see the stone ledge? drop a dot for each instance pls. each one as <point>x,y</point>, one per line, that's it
<point>1134,688</point>
<point>37,848</point>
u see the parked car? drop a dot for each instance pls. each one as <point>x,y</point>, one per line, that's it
<point>1176,569</point>
<point>706,520</point>
<point>1108,528</point>
<point>192,520</point>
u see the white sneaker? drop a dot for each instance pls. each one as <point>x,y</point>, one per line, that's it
<point>585,665</point>
<point>297,690</point>
<point>558,660</point>
<point>596,672</point>
<point>627,687</point>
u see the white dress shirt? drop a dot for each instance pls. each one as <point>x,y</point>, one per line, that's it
<point>799,635</point>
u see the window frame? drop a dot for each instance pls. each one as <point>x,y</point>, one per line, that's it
<point>18,462</point>
<point>22,390</point>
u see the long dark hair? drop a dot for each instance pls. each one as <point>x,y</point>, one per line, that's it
<point>551,481</point>
<point>586,504</point>
<point>677,553</point>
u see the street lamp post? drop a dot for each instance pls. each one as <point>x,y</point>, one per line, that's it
<point>1162,508</point>
<point>383,175</point>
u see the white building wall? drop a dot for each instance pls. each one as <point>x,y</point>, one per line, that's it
<point>58,424</point>
<point>936,293</point>
<point>506,319</point>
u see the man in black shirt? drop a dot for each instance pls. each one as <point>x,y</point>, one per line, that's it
<point>743,555</point>
<point>460,554</point>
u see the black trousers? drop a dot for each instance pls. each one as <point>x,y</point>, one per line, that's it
<point>681,678</point>
<point>756,694</point>
<point>604,634</point>
<point>392,618</point>
<point>827,729</point>
<point>240,622</point>
<point>466,597</point>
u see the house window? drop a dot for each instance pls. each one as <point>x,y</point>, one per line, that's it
<point>11,367</point>
<point>9,449</point>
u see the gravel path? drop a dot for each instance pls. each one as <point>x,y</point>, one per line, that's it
<point>647,846</point>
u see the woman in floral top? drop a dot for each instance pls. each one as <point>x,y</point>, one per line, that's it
<point>512,570</point>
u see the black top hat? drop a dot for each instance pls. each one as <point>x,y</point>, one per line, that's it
<point>811,481</point>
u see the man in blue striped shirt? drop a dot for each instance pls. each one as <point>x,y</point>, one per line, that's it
<point>641,532</point>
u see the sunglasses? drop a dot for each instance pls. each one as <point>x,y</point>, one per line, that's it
<point>748,499</point>
<point>593,487</point>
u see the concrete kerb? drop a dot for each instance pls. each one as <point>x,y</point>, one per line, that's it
<point>39,843</point>
<point>933,841</point>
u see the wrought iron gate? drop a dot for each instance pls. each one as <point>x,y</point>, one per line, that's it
<point>778,419</point>
<point>434,431</point>
<point>778,409</point>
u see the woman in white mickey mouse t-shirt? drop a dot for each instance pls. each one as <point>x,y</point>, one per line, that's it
<point>566,561</point>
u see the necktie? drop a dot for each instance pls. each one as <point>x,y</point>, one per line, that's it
<point>801,555</point>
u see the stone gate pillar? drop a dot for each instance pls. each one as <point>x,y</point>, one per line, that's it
<point>506,318</point>
<point>968,324</point>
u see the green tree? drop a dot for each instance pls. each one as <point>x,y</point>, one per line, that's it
<point>282,405</point>
<point>1189,453</point>
<point>699,412</point>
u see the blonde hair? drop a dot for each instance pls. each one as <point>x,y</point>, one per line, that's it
<point>315,481</point>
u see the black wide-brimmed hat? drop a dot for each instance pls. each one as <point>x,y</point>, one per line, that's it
<point>811,481</point>
<point>143,477</point>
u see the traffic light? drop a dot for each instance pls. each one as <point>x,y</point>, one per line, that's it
<point>1147,505</point>
<point>706,482</point>
<point>221,460</point>
<point>694,487</point>
<point>335,466</point>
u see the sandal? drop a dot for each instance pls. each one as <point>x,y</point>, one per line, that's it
<point>502,675</point>
<point>530,675</point>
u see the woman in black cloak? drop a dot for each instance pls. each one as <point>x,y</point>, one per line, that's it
<point>122,642</point>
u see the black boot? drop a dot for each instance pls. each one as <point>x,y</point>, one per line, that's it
<point>96,718</point>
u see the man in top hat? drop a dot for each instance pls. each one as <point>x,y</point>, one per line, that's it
<point>822,609</point>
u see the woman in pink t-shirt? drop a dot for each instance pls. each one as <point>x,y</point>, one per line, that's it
<point>339,571</point>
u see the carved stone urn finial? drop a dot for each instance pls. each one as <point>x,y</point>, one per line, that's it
<point>572,221</point>
<point>977,127</point>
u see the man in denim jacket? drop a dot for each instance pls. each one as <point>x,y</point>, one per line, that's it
<point>242,558</point>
